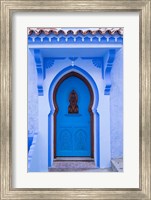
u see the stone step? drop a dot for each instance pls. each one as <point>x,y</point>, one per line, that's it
<point>117,165</point>
<point>74,164</point>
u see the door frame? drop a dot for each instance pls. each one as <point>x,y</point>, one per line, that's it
<point>90,108</point>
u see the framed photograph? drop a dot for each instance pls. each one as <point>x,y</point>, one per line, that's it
<point>75,99</point>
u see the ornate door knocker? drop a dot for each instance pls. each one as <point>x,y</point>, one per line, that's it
<point>73,99</point>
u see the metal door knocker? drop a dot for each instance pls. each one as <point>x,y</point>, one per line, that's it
<point>73,99</point>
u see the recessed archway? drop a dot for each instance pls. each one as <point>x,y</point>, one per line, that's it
<point>96,117</point>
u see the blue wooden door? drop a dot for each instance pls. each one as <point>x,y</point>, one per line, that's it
<point>73,137</point>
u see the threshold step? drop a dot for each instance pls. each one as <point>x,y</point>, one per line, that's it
<point>74,159</point>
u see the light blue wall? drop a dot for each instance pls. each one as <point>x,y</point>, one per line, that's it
<point>116,106</point>
<point>32,96</point>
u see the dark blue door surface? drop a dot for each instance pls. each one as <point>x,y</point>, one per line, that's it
<point>73,136</point>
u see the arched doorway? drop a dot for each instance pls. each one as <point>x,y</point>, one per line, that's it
<point>73,117</point>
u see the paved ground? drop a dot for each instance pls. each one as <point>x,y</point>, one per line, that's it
<point>83,164</point>
<point>76,166</point>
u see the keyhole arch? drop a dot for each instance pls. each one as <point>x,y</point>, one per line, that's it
<point>75,74</point>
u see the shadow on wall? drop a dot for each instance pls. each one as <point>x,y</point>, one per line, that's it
<point>30,140</point>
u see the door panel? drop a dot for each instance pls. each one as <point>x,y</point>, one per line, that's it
<point>73,135</point>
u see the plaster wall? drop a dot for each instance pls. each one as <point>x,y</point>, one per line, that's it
<point>32,96</point>
<point>116,106</point>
